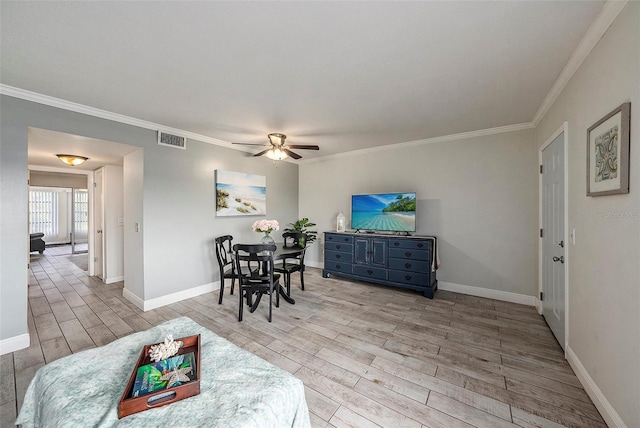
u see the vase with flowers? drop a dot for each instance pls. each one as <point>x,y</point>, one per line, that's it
<point>266,227</point>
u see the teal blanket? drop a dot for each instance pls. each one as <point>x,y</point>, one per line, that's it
<point>237,388</point>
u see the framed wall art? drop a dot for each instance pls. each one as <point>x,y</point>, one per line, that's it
<point>240,194</point>
<point>608,153</point>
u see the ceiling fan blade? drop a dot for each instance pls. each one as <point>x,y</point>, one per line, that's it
<point>303,146</point>
<point>293,155</point>
<point>251,144</point>
<point>261,153</point>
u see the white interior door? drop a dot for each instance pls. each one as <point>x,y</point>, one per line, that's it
<point>98,227</point>
<point>553,238</point>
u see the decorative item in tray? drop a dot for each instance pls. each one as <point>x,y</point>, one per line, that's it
<point>164,373</point>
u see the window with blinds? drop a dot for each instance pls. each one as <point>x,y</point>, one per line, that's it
<point>43,212</point>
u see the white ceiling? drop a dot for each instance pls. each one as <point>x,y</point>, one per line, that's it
<point>343,75</point>
<point>45,144</point>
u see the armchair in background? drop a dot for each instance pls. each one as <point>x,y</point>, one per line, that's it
<point>37,243</point>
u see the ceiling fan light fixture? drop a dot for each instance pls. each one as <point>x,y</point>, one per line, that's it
<point>72,160</point>
<point>277,139</point>
<point>276,154</point>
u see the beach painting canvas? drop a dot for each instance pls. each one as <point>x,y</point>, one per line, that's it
<point>239,194</point>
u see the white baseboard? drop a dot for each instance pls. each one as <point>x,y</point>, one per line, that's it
<point>147,305</point>
<point>538,306</point>
<point>133,299</point>
<point>15,343</point>
<point>112,280</point>
<point>505,296</point>
<point>609,414</point>
<point>314,264</point>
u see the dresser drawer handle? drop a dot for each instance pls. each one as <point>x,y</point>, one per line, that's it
<point>407,253</point>
<point>396,243</point>
<point>337,256</point>
<point>369,271</point>
<point>346,239</point>
<point>338,246</point>
<point>420,244</point>
<point>407,277</point>
<point>407,265</point>
<point>329,238</point>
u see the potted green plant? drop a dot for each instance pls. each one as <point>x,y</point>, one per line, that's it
<point>303,225</point>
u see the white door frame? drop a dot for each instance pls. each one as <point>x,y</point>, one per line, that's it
<point>89,175</point>
<point>563,129</point>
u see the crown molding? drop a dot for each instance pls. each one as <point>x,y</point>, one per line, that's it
<point>609,12</point>
<point>104,114</point>
<point>450,137</point>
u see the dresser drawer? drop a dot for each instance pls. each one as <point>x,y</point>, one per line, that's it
<point>410,265</point>
<point>338,266</point>
<point>408,253</point>
<point>415,244</point>
<point>412,278</point>
<point>338,246</point>
<point>337,256</point>
<point>370,272</point>
<point>336,237</point>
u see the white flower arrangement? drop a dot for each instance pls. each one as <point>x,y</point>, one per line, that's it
<point>266,226</point>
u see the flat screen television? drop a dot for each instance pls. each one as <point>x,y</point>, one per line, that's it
<point>384,212</point>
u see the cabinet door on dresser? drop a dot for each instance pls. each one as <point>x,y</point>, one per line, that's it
<point>371,251</point>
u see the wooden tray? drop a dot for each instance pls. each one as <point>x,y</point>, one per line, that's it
<point>128,406</point>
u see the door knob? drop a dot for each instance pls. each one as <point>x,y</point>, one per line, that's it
<point>559,259</point>
<point>561,243</point>
<point>99,231</point>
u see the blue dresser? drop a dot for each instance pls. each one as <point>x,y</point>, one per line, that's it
<point>399,261</point>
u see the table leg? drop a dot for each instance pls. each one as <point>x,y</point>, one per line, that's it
<point>285,296</point>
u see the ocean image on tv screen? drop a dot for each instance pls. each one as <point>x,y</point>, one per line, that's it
<point>388,212</point>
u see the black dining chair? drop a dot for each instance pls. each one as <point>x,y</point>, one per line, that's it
<point>293,264</point>
<point>254,265</point>
<point>225,262</point>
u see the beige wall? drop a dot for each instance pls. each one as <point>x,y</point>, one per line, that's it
<point>604,265</point>
<point>478,195</point>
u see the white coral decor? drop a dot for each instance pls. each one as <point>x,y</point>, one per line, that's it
<point>162,351</point>
<point>267,226</point>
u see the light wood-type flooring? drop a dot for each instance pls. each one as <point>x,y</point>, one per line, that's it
<point>368,355</point>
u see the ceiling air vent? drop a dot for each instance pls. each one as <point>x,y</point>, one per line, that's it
<point>170,140</point>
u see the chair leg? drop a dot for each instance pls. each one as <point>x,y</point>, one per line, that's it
<point>241,303</point>
<point>288,283</point>
<point>301,279</point>
<point>221,290</point>
<point>233,283</point>
<point>270,302</point>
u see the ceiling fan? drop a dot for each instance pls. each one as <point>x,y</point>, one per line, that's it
<point>279,150</point>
